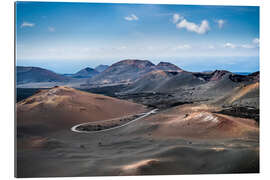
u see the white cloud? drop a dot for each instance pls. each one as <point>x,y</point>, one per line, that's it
<point>247,46</point>
<point>132,17</point>
<point>27,24</point>
<point>229,45</point>
<point>254,44</point>
<point>176,18</point>
<point>51,29</point>
<point>256,40</point>
<point>181,47</point>
<point>192,27</point>
<point>220,23</point>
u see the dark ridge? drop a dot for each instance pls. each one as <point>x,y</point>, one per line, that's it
<point>242,112</point>
<point>241,78</point>
<point>180,103</point>
<point>172,72</point>
<point>211,76</point>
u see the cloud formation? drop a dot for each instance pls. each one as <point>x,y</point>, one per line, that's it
<point>176,18</point>
<point>229,45</point>
<point>27,24</point>
<point>181,22</point>
<point>192,27</point>
<point>132,17</point>
<point>220,23</point>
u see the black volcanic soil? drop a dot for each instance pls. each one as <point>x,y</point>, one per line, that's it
<point>243,112</point>
<point>107,124</point>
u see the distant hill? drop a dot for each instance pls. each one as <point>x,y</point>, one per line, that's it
<point>101,68</point>
<point>36,74</point>
<point>123,72</point>
<point>85,73</point>
<point>129,70</point>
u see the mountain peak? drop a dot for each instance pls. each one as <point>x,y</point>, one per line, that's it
<point>101,68</point>
<point>168,66</point>
<point>85,73</point>
<point>218,74</point>
<point>88,69</point>
<point>136,62</point>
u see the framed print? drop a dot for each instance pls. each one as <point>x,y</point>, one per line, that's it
<point>111,89</point>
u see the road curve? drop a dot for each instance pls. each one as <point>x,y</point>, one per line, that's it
<point>73,129</point>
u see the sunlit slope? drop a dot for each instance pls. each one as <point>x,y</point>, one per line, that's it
<point>63,107</point>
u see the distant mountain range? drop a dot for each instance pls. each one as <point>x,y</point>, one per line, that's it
<point>139,75</point>
<point>88,72</point>
<point>127,71</point>
<point>36,74</point>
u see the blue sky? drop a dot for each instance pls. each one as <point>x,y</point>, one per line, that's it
<point>66,37</point>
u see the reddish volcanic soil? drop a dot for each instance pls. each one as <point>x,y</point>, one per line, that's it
<point>186,139</point>
<point>63,107</point>
<point>199,122</point>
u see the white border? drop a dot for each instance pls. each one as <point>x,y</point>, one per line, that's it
<point>7,87</point>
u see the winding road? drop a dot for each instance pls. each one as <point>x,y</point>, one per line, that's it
<point>74,128</point>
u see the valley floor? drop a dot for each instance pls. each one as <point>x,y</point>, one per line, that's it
<point>183,139</point>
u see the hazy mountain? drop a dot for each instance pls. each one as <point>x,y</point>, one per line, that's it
<point>85,73</point>
<point>36,74</point>
<point>101,68</point>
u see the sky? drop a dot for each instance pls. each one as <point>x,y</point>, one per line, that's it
<point>66,37</point>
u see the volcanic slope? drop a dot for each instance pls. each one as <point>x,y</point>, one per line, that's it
<point>123,72</point>
<point>85,73</point>
<point>62,107</point>
<point>201,122</point>
<point>164,81</point>
<point>187,139</point>
<point>129,70</point>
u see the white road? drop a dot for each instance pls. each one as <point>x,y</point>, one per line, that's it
<point>74,128</point>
